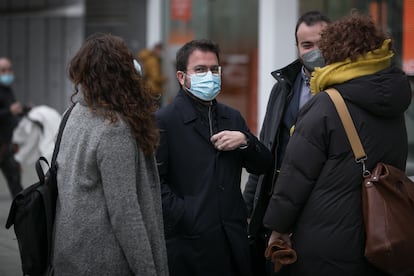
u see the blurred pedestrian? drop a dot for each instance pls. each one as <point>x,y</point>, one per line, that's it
<point>316,204</point>
<point>35,134</point>
<point>150,61</point>
<point>10,109</point>
<point>108,215</point>
<point>204,145</point>
<point>290,92</point>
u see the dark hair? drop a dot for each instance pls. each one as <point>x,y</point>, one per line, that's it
<point>159,46</point>
<point>185,51</point>
<point>310,18</point>
<point>350,37</point>
<point>103,69</point>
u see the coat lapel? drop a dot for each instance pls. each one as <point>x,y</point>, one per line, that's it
<point>293,106</point>
<point>189,115</point>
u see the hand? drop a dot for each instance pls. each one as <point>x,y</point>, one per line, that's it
<point>16,108</point>
<point>227,140</point>
<point>284,237</point>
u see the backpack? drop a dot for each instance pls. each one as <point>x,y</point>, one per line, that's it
<point>32,213</point>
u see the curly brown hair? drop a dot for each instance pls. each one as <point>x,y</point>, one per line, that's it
<point>350,37</point>
<point>103,69</point>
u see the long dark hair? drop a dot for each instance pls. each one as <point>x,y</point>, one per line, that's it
<point>103,69</point>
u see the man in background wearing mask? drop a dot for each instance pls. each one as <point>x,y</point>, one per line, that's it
<point>288,95</point>
<point>9,110</point>
<point>203,147</point>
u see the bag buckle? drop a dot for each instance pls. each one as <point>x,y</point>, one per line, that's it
<point>365,172</point>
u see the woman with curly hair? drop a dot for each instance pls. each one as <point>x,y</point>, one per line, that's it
<point>108,215</point>
<point>316,204</point>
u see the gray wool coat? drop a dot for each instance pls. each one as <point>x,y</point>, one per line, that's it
<point>108,216</point>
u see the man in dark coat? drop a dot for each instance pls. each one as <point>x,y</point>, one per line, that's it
<point>9,109</point>
<point>290,92</point>
<point>204,146</point>
<point>316,204</point>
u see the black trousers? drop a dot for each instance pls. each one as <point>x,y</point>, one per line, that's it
<point>10,168</point>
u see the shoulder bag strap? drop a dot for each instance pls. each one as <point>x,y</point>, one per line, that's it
<point>38,166</point>
<point>50,198</point>
<point>348,124</point>
<point>59,135</point>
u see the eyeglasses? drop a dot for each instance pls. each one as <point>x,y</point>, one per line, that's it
<point>202,70</point>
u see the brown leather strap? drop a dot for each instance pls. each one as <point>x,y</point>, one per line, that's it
<point>347,122</point>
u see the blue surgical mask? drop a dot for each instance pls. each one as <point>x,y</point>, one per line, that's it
<point>206,87</point>
<point>313,59</point>
<point>6,79</point>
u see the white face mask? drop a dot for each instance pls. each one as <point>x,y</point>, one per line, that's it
<point>206,87</point>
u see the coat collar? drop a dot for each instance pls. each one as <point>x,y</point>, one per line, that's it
<point>290,72</point>
<point>188,113</point>
<point>185,107</point>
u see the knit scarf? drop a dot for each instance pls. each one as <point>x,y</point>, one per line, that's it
<point>340,72</point>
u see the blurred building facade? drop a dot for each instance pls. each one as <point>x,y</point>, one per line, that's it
<point>256,37</point>
<point>40,36</point>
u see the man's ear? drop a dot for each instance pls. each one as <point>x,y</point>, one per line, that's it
<point>180,77</point>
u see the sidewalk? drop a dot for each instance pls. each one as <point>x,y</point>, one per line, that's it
<point>9,253</point>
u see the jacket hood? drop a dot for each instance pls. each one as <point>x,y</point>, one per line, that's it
<point>386,93</point>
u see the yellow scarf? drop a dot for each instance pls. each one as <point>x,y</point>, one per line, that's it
<point>343,71</point>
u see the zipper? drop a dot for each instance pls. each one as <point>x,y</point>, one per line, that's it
<point>276,170</point>
<point>210,123</point>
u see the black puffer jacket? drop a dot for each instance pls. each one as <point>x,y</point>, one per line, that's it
<point>318,192</point>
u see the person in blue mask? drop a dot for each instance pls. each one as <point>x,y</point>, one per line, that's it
<point>203,147</point>
<point>10,109</point>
